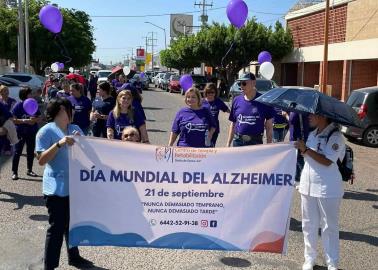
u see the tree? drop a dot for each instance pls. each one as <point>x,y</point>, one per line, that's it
<point>77,36</point>
<point>211,44</point>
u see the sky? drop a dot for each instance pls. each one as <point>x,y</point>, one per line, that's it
<point>116,38</point>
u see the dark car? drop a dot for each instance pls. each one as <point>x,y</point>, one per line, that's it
<point>262,86</point>
<point>365,102</point>
<point>174,84</point>
<point>199,82</point>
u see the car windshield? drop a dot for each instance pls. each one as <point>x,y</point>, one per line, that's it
<point>167,76</point>
<point>175,78</point>
<point>104,74</point>
<point>356,99</point>
<point>21,78</point>
<point>199,79</point>
<point>263,86</point>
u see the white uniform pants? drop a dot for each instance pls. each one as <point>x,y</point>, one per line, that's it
<point>324,213</point>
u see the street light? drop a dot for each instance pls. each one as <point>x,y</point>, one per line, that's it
<point>165,36</point>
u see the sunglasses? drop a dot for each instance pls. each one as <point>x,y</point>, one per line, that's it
<point>242,83</point>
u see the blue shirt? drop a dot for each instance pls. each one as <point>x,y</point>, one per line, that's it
<point>295,126</point>
<point>118,124</point>
<point>215,106</point>
<point>104,107</point>
<point>82,107</point>
<point>56,173</point>
<point>192,125</point>
<point>249,116</point>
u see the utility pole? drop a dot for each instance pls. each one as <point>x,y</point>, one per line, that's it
<point>21,39</point>
<point>27,45</point>
<point>204,5</point>
<point>324,81</point>
<point>146,53</point>
<point>152,39</point>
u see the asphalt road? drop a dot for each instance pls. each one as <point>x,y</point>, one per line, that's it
<point>23,217</point>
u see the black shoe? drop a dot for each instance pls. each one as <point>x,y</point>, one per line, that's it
<point>80,262</point>
<point>15,176</point>
<point>31,173</point>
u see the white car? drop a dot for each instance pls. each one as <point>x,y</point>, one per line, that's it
<point>32,80</point>
<point>13,85</point>
<point>103,75</point>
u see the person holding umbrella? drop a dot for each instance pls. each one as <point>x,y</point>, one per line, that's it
<point>321,190</point>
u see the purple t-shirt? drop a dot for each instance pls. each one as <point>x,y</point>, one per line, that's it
<point>215,106</point>
<point>118,124</point>
<point>19,112</point>
<point>192,125</point>
<point>295,126</point>
<point>82,106</point>
<point>278,117</point>
<point>249,116</point>
<point>9,104</point>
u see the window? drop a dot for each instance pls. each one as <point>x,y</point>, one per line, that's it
<point>21,78</point>
<point>356,99</point>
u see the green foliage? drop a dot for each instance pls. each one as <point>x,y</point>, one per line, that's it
<point>77,36</point>
<point>212,42</point>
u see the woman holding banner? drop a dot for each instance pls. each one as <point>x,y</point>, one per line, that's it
<point>194,124</point>
<point>124,115</point>
<point>215,105</point>
<point>52,142</point>
<point>321,190</point>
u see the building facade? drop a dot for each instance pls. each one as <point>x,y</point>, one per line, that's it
<point>352,51</point>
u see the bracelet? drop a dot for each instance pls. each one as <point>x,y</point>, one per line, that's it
<point>58,145</point>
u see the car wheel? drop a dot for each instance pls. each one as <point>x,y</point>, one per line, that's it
<point>370,137</point>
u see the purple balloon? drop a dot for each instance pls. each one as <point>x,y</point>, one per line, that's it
<point>142,75</point>
<point>237,12</point>
<point>30,106</point>
<point>186,81</point>
<point>51,18</point>
<point>264,56</point>
<point>61,66</point>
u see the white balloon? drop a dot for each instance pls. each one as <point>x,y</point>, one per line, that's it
<point>54,67</point>
<point>71,69</point>
<point>267,70</point>
<point>126,70</point>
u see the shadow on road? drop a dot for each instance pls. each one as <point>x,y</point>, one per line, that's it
<point>39,217</point>
<point>360,196</point>
<point>22,200</point>
<point>156,130</point>
<point>296,225</point>
<point>235,262</point>
<point>37,179</point>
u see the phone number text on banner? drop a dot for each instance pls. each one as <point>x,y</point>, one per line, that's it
<point>135,195</point>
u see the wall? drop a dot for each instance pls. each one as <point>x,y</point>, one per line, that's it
<point>362,22</point>
<point>364,74</point>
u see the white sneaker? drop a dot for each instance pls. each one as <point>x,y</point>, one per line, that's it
<point>332,267</point>
<point>308,265</point>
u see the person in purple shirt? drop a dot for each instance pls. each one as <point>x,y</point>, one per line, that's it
<point>124,115</point>
<point>8,103</point>
<point>101,107</point>
<point>121,81</point>
<point>215,105</point>
<point>82,107</point>
<point>248,117</point>
<point>280,125</point>
<point>27,128</point>
<point>194,124</point>
<point>137,98</point>
<point>4,116</point>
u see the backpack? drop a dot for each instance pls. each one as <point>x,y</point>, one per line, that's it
<point>346,164</point>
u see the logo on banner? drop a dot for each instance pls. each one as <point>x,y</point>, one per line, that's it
<point>164,154</point>
<point>213,224</point>
<point>204,223</point>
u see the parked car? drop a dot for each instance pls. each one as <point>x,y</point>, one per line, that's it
<point>157,78</point>
<point>199,82</point>
<point>174,84</point>
<point>32,80</point>
<point>103,75</point>
<point>365,102</point>
<point>13,85</point>
<point>165,81</point>
<point>262,86</point>
<point>144,81</point>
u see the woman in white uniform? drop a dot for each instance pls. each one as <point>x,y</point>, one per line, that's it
<point>321,190</point>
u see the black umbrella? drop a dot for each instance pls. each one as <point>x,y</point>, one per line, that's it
<point>308,100</point>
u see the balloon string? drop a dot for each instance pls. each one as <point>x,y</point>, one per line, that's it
<point>63,49</point>
<point>229,50</point>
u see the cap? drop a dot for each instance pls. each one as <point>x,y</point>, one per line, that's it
<point>247,76</point>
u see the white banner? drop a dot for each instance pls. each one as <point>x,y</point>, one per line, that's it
<point>137,195</point>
